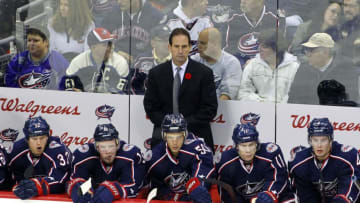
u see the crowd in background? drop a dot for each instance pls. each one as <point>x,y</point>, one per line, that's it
<point>302,51</point>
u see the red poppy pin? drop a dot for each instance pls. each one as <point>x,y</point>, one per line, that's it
<point>188,76</point>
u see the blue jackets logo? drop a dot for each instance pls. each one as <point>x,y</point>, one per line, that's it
<point>104,111</point>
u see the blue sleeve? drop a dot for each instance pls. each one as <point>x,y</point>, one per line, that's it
<point>202,166</point>
<point>60,173</point>
<point>132,174</point>
<point>11,73</point>
<point>82,163</point>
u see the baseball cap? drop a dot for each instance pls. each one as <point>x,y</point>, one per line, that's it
<point>161,31</point>
<point>99,35</point>
<point>320,40</point>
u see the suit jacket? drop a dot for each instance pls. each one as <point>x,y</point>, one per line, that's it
<point>197,97</point>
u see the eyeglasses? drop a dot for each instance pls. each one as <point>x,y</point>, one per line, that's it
<point>308,50</point>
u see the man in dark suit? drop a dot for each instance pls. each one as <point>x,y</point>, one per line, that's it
<point>196,96</point>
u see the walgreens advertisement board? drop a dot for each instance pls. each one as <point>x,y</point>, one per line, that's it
<point>73,117</point>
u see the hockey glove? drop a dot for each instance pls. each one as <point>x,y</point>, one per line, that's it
<point>73,190</point>
<point>197,192</point>
<point>109,191</point>
<point>340,199</point>
<point>29,188</point>
<point>266,197</point>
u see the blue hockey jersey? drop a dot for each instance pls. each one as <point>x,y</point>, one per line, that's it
<point>53,165</point>
<point>170,174</point>
<point>268,172</point>
<point>320,182</point>
<point>128,167</point>
<point>23,72</point>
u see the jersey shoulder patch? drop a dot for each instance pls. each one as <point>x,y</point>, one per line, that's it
<point>84,148</point>
<point>189,141</point>
<point>271,147</point>
<point>127,147</point>
<point>53,144</point>
<point>148,155</point>
<point>346,148</point>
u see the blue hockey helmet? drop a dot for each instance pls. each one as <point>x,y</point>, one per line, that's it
<point>36,126</point>
<point>320,127</point>
<point>245,133</point>
<point>173,123</point>
<point>251,118</point>
<point>104,132</point>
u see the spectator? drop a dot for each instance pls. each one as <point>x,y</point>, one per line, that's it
<point>100,8</point>
<point>37,68</point>
<point>190,16</point>
<point>226,68</point>
<point>39,163</point>
<point>160,54</point>
<point>244,29</point>
<point>116,168</point>
<point>100,69</point>
<point>323,64</point>
<point>326,19</point>
<point>69,27</point>
<point>350,30</point>
<point>268,76</point>
<point>184,86</point>
<point>132,21</point>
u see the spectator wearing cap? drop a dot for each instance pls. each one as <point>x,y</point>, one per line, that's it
<point>160,54</point>
<point>226,68</point>
<point>323,63</point>
<point>100,69</point>
<point>38,67</point>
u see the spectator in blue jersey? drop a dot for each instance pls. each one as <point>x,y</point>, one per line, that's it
<point>226,68</point>
<point>160,54</point>
<point>327,171</point>
<point>180,163</point>
<point>116,168</point>
<point>255,171</point>
<point>39,163</point>
<point>38,67</point>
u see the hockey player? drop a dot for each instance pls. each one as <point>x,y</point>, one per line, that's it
<point>38,67</point>
<point>39,163</point>
<point>177,166</point>
<point>256,171</point>
<point>115,168</point>
<point>324,172</point>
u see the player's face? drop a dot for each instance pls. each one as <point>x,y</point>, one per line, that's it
<point>351,9</point>
<point>179,49</point>
<point>267,53</point>
<point>175,142</point>
<point>247,150</point>
<point>36,45</point>
<point>248,6</point>
<point>107,150</point>
<point>64,8</point>
<point>321,146</point>
<point>37,144</point>
<point>332,14</point>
